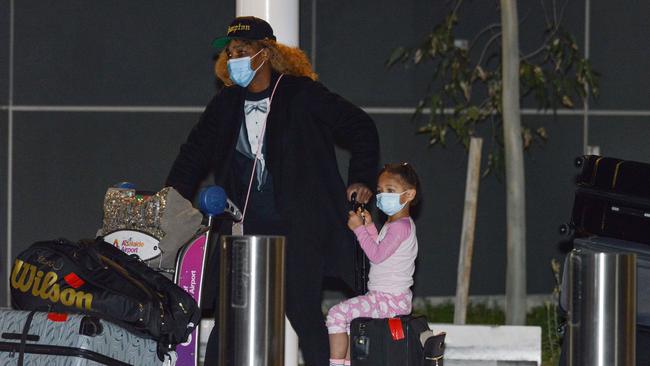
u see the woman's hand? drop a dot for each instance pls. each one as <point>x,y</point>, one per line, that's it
<point>364,194</point>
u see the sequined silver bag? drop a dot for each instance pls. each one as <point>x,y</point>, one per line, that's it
<point>150,227</point>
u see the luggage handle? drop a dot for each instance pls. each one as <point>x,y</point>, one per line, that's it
<point>25,335</point>
<point>360,266</point>
<point>434,348</point>
<point>87,246</point>
<point>90,326</point>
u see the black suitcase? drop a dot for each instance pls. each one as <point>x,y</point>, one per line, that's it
<point>387,342</point>
<point>630,178</point>
<point>612,199</point>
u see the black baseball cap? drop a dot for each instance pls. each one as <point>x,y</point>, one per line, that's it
<point>250,28</point>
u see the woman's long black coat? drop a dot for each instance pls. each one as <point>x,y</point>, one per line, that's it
<point>304,124</point>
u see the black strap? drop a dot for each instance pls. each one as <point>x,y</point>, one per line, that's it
<point>23,337</point>
<point>50,350</point>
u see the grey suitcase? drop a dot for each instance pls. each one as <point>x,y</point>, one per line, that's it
<point>70,340</point>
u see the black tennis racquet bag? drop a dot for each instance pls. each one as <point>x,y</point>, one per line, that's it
<point>95,278</point>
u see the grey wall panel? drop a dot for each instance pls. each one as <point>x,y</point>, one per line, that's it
<point>65,162</point>
<point>352,49</point>
<point>305,31</point>
<point>3,207</point>
<point>620,51</point>
<point>621,137</point>
<point>550,175</point>
<point>118,52</point>
<point>4,51</point>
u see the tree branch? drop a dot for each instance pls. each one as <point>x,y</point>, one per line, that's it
<point>456,7</point>
<point>481,32</point>
<point>556,28</point>
<point>548,22</point>
<point>561,18</point>
<point>487,45</point>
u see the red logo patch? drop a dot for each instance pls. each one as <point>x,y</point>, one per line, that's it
<point>57,317</point>
<point>396,329</point>
<point>73,280</point>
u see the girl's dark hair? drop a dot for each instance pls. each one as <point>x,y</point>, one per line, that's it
<point>406,172</point>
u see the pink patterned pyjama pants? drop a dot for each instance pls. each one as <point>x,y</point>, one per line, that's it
<point>373,304</point>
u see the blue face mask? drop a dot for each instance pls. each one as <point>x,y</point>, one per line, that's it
<point>240,70</point>
<point>389,203</point>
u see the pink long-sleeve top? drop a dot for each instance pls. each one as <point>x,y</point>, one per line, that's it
<point>392,253</point>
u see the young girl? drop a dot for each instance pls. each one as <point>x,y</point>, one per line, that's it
<point>392,254</point>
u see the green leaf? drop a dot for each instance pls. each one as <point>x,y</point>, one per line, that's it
<point>567,102</point>
<point>434,104</point>
<point>524,70</point>
<point>443,135</point>
<point>424,129</point>
<point>539,74</point>
<point>417,57</point>
<point>396,56</point>
<point>433,50</point>
<point>418,110</point>
<point>527,137</point>
<point>480,73</point>
<point>473,113</point>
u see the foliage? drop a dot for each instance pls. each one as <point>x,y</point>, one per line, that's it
<point>464,87</point>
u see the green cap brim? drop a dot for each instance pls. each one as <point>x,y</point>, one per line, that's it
<point>220,43</point>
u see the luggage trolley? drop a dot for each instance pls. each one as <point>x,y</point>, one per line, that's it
<point>141,223</point>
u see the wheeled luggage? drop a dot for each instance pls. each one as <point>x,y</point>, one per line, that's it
<point>56,339</point>
<point>613,175</point>
<point>612,199</point>
<point>387,341</point>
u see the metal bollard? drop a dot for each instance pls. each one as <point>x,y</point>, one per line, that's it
<point>602,308</point>
<point>251,309</point>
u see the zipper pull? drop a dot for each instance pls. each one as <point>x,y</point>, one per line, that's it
<point>182,307</point>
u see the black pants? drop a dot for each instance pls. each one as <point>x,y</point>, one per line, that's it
<point>303,291</point>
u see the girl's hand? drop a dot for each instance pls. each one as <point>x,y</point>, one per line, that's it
<point>354,220</point>
<point>365,215</point>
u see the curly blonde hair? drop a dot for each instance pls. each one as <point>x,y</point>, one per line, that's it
<point>284,59</point>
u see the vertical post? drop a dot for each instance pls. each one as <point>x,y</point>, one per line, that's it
<point>10,153</point>
<point>515,187</point>
<point>469,225</point>
<point>602,310</point>
<point>283,15</point>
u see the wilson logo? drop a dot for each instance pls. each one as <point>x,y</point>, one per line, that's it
<point>26,278</point>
